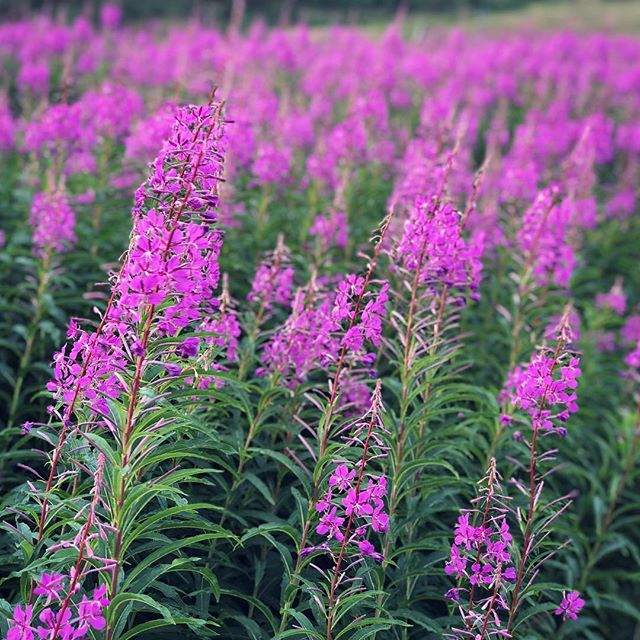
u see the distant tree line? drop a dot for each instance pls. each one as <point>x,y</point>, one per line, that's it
<point>270,10</point>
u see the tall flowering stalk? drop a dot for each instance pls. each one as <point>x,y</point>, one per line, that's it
<point>55,601</point>
<point>545,392</point>
<point>352,506</point>
<point>271,287</point>
<point>494,571</point>
<point>163,281</point>
<point>480,559</point>
<point>164,289</point>
<point>356,313</point>
<point>438,271</point>
<point>52,221</point>
<point>547,256</point>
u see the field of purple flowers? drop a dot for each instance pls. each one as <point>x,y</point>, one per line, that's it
<point>318,334</point>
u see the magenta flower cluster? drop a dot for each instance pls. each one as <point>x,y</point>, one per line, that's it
<point>353,503</point>
<point>53,222</point>
<point>544,239</point>
<point>169,276</point>
<point>545,389</point>
<point>273,281</point>
<point>481,554</point>
<point>432,245</point>
<point>614,299</point>
<point>321,326</point>
<point>345,498</point>
<point>570,606</point>
<point>480,559</point>
<point>331,230</point>
<point>59,619</point>
<point>346,306</point>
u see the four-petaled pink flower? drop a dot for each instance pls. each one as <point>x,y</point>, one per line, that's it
<point>60,621</point>
<point>570,606</point>
<point>342,477</point>
<point>358,503</point>
<point>50,584</point>
<point>330,525</point>
<point>379,519</point>
<point>20,625</point>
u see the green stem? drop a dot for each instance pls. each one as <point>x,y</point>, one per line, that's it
<point>608,517</point>
<point>32,330</point>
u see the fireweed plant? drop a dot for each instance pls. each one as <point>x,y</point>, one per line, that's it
<point>274,415</point>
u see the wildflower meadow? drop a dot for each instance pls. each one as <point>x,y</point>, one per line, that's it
<point>318,333</point>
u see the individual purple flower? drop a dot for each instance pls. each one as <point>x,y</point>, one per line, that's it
<point>49,585</point>
<point>570,606</point>
<point>188,348</point>
<point>330,525</point>
<point>368,550</point>
<point>379,519</point>
<point>614,299</point>
<point>325,501</point>
<point>509,574</point>
<point>457,563</point>
<point>20,627</point>
<point>342,477</point>
<point>453,595</point>
<point>465,533</point>
<point>358,503</point>
<point>481,573</point>
<point>90,611</point>
<point>52,620</point>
